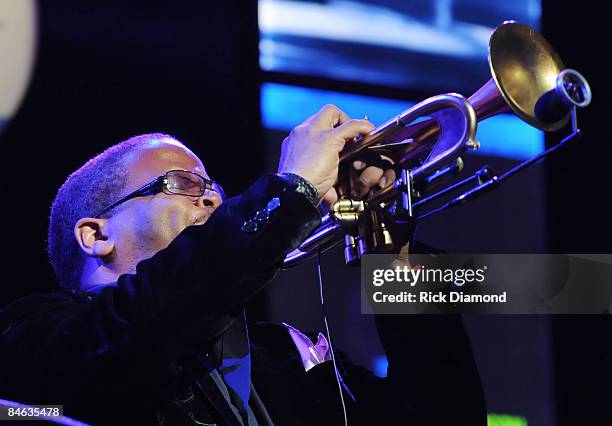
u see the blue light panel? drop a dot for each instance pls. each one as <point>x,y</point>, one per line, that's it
<point>380,365</point>
<point>284,107</point>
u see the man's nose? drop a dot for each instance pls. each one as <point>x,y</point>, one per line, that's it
<point>210,199</point>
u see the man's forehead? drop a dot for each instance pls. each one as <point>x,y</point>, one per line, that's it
<point>162,155</point>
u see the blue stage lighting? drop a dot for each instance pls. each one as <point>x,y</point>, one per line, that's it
<point>284,106</point>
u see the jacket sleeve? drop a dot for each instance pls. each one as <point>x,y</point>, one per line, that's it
<point>432,377</point>
<point>432,365</point>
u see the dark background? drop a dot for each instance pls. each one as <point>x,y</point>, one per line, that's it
<point>110,70</point>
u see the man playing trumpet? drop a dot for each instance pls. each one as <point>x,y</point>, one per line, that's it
<point>157,267</point>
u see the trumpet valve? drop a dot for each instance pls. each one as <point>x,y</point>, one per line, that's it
<point>374,235</point>
<point>351,253</point>
<point>346,211</point>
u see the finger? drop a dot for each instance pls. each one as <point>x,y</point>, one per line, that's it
<point>387,158</point>
<point>328,117</point>
<point>366,180</point>
<point>352,128</point>
<point>359,165</point>
<point>388,177</point>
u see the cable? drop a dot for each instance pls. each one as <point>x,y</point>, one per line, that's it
<point>329,340</point>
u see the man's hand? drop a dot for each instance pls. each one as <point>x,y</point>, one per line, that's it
<point>312,149</point>
<point>371,175</point>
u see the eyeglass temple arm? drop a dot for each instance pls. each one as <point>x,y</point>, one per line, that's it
<point>141,191</point>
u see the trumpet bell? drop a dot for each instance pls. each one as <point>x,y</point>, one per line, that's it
<point>525,68</point>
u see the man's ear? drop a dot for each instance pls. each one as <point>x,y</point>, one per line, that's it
<point>92,236</point>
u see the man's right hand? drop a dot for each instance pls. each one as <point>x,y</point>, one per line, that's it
<point>312,149</point>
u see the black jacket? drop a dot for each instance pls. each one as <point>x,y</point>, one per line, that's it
<point>130,355</point>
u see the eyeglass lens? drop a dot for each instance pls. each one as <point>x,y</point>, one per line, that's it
<point>186,183</point>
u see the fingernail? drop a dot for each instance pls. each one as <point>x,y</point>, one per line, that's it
<point>358,165</point>
<point>382,182</point>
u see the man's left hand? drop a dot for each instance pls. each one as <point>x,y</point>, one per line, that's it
<point>365,179</point>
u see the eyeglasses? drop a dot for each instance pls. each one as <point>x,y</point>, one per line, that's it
<point>178,182</point>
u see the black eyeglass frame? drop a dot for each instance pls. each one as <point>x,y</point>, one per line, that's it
<point>159,184</point>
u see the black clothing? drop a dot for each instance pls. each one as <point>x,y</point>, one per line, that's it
<point>431,380</point>
<point>148,351</point>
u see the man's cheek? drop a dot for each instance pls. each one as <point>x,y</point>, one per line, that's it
<point>175,219</point>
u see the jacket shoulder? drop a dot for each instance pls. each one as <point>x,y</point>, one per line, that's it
<point>39,305</point>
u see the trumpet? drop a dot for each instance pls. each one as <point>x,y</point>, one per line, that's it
<point>425,143</point>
